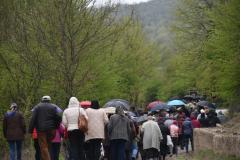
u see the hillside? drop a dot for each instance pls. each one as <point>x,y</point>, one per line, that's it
<point>156,17</point>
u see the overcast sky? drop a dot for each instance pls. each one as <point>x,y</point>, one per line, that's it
<point>99,2</point>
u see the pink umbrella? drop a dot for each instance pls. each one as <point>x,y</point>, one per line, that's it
<point>154,104</point>
<point>85,104</point>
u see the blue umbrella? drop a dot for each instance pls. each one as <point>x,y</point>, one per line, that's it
<point>160,107</point>
<point>176,103</point>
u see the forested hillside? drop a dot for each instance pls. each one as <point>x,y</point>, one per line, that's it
<point>156,17</point>
<point>198,44</point>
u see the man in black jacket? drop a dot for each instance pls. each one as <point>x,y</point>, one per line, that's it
<point>46,120</point>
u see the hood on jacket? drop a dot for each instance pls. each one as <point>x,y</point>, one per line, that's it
<point>73,102</point>
<point>188,119</point>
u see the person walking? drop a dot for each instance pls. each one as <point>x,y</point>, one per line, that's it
<point>119,131</point>
<point>75,135</point>
<point>45,119</point>
<point>188,133</point>
<point>97,119</point>
<point>164,149</point>
<point>174,133</point>
<point>56,143</point>
<point>152,137</point>
<point>14,129</point>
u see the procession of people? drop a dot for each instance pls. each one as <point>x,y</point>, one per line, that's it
<point>95,133</point>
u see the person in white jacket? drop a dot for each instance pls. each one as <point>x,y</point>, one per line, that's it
<point>152,136</point>
<point>70,121</point>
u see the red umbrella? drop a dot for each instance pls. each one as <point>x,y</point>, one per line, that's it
<point>154,104</point>
<point>85,104</point>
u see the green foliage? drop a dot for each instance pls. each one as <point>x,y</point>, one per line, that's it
<point>207,51</point>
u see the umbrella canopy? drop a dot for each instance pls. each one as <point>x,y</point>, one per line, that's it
<point>85,104</point>
<point>176,103</point>
<point>131,114</point>
<point>153,104</point>
<point>160,107</point>
<point>206,103</point>
<point>118,102</point>
<point>141,119</point>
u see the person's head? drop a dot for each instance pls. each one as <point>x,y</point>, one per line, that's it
<point>73,102</point>
<point>150,117</point>
<point>13,107</point>
<point>175,122</point>
<point>206,109</point>
<point>95,104</point>
<point>46,99</point>
<point>120,111</point>
<point>193,117</point>
<point>202,111</point>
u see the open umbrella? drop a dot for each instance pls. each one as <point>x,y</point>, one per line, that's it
<point>153,104</point>
<point>141,119</point>
<point>176,103</point>
<point>160,107</point>
<point>206,103</point>
<point>118,102</point>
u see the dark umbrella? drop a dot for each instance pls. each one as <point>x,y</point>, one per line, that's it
<point>188,97</point>
<point>141,119</point>
<point>131,114</point>
<point>153,104</point>
<point>206,103</point>
<point>118,102</point>
<point>160,107</point>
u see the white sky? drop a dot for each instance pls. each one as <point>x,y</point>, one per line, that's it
<point>100,2</point>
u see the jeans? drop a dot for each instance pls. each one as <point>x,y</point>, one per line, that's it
<point>44,140</point>
<point>55,150</point>
<point>186,141</point>
<point>93,149</point>
<point>37,150</point>
<point>117,149</point>
<point>13,145</point>
<point>76,141</point>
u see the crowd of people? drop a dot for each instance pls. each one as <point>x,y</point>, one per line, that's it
<point>109,136</point>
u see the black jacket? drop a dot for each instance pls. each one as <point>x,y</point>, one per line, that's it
<point>45,117</point>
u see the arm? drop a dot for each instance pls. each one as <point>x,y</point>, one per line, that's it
<point>105,118</point>
<point>5,126</point>
<point>32,123</point>
<point>64,119</point>
<point>83,112</point>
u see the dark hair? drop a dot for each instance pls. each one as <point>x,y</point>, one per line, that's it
<point>95,104</point>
